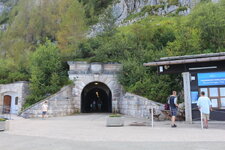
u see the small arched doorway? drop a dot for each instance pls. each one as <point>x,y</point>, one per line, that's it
<point>7,104</point>
<point>96,97</point>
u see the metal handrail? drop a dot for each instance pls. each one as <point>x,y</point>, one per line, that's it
<point>6,112</point>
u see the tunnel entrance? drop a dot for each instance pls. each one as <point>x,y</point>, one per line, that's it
<point>96,97</point>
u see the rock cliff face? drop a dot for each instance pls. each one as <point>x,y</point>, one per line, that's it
<point>2,7</point>
<point>5,6</point>
<point>123,8</point>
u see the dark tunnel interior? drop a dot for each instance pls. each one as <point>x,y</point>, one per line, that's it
<point>96,98</point>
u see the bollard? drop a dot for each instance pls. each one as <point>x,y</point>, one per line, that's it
<point>152,116</point>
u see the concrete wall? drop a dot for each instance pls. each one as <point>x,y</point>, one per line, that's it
<point>137,106</point>
<point>60,104</point>
<point>17,89</point>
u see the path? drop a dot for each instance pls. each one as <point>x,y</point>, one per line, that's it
<point>88,131</point>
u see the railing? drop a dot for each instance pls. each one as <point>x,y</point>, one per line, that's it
<point>6,112</point>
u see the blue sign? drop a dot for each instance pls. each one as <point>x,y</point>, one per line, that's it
<point>194,96</point>
<point>213,78</point>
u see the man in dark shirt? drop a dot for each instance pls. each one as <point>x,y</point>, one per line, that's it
<point>172,101</point>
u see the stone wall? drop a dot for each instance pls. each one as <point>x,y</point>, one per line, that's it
<point>18,89</point>
<point>83,73</point>
<point>137,106</point>
<point>60,104</point>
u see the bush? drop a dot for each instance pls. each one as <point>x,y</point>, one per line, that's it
<point>2,119</point>
<point>47,73</point>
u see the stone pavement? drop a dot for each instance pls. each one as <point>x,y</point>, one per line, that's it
<point>88,131</point>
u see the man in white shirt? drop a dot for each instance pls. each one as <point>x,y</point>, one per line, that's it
<point>204,105</point>
<point>44,109</point>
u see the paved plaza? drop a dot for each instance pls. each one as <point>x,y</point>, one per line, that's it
<point>89,132</point>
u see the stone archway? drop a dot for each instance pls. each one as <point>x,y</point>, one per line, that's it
<point>84,75</point>
<point>96,97</point>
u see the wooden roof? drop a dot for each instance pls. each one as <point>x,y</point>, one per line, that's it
<point>188,59</point>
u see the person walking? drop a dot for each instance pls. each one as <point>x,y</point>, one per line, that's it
<point>204,105</point>
<point>44,109</point>
<point>172,101</point>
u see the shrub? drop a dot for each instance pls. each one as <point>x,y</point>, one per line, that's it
<point>2,119</point>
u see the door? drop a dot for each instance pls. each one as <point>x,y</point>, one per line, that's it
<point>7,104</point>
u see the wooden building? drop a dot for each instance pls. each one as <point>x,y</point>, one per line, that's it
<point>204,72</point>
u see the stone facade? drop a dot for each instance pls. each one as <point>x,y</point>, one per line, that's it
<point>17,92</point>
<point>83,73</point>
<point>69,99</point>
<point>137,106</point>
<point>59,104</point>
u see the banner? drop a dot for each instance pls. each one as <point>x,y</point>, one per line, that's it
<point>210,79</point>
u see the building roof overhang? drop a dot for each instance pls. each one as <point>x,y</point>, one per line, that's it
<point>190,63</point>
<point>188,59</point>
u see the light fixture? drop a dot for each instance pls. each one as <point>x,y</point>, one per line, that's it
<point>166,67</point>
<point>202,68</point>
<point>96,83</point>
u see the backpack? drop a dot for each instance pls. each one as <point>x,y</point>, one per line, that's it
<point>171,102</point>
<point>166,106</point>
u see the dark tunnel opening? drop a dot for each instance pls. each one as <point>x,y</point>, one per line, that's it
<point>96,98</point>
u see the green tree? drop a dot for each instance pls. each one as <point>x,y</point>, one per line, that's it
<point>46,72</point>
<point>209,19</point>
<point>72,26</point>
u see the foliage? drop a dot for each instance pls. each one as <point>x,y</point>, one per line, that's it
<point>94,8</point>
<point>31,22</point>
<point>132,46</point>
<point>149,9</point>
<point>11,72</point>
<point>209,19</point>
<point>47,75</point>
<point>115,115</point>
<point>173,2</point>
<point>2,119</point>
<point>72,26</point>
<point>154,37</point>
<point>181,8</point>
<point>63,22</point>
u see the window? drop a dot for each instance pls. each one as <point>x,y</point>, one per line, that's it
<point>216,95</point>
<point>213,92</point>
<point>16,101</point>
<point>204,90</point>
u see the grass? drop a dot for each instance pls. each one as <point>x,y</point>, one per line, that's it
<point>115,115</point>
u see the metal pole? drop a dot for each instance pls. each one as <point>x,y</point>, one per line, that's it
<point>152,116</point>
<point>201,120</point>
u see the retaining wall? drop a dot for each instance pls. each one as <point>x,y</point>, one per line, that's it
<point>59,104</point>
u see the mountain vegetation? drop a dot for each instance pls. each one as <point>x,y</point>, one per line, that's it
<point>43,34</point>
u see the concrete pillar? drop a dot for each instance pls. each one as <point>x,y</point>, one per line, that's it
<point>187,96</point>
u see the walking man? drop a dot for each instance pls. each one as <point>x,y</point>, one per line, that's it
<point>44,109</point>
<point>172,101</point>
<point>204,105</point>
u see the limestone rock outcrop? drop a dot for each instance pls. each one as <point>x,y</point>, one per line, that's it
<point>123,8</point>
